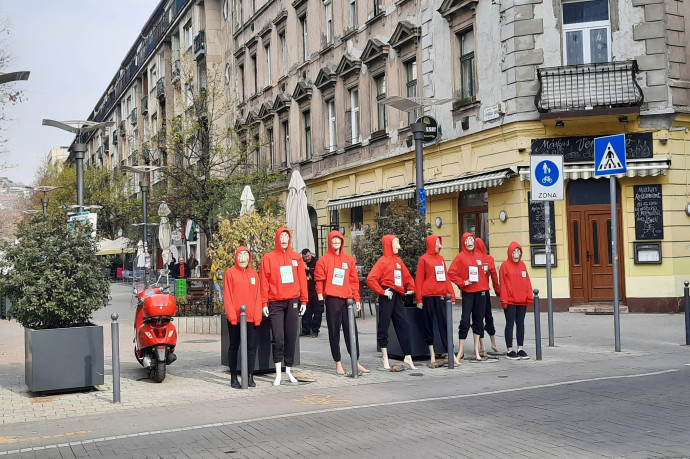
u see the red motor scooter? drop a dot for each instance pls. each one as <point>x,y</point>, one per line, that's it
<point>155,336</point>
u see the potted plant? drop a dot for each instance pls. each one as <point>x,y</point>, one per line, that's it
<point>55,283</point>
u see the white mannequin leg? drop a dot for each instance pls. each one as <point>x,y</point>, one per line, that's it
<point>288,372</point>
<point>384,356</point>
<point>408,361</point>
<point>432,353</point>
<point>276,382</point>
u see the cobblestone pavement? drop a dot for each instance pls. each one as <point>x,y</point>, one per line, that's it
<point>582,400</point>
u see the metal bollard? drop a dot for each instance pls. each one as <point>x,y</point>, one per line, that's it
<point>449,332</point>
<point>352,337</point>
<point>115,334</point>
<point>537,324</point>
<point>243,346</point>
<point>687,314</point>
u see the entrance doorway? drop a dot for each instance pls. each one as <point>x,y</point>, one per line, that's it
<point>589,246</point>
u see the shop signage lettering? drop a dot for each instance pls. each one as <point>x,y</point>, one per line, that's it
<point>537,227</point>
<point>576,149</point>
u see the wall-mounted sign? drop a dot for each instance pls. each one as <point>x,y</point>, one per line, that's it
<point>649,212</point>
<point>536,220</point>
<point>574,149</point>
<point>430,127</point>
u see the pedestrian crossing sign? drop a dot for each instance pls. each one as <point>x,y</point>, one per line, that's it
<point>609,155</point>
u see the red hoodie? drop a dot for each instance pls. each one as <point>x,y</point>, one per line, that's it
<point>341,284</point>
<point>241,287</point>
<point>489,265</point>
<point>282,274</point>
<point>432,274</point>
<point>388,269</point>
<point>516,287</point>
<point>460,267</point>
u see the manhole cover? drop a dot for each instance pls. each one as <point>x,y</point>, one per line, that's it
<point>416,374</point>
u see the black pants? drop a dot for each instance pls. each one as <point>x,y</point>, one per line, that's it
<point>515,314</point>
<point>284,317</point>
<point>393,309</point>
<point>472,305</point>
<point>488,316</point>
<point>435,306</point>
<point>234,331</point>
<point>336,315</point>
<point>311,320</point>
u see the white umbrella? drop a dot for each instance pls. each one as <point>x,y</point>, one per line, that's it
<point>247,200</point>
<point>141,255</point>
<point>297,214</point>
<point>165,233</point>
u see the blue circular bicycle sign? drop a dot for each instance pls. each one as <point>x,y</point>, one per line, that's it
<point>546,173</point>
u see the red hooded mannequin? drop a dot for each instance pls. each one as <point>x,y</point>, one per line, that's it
<point>516,296</point>
<point>390,271</point>
<point>489,270</point>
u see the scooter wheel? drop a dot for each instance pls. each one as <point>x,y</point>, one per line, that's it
<point>160,372</point>
<point>139,359</point>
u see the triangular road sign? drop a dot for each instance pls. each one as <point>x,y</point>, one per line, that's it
<point>610,160</point>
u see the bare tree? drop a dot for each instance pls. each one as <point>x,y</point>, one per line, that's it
<point>9,94</point>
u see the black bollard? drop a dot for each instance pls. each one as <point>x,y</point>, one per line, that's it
<point>115,334</point>
<point>537,324</point>
<point>687,314</point>
<point>243,346</point>
<point>449,331</point>
<point>352,337</point>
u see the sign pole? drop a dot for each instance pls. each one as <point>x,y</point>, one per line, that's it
<point>614,251</point>
<point>549,295</point>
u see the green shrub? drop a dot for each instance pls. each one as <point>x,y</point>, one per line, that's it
<point>52,275</point>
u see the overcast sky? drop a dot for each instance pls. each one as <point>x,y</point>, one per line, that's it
<point>73,49</point>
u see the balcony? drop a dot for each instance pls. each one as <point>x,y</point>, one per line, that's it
<point>176,70</point>
<point>133,117</point>
<point>160,88</point>
<point>200,45</point>
<point>145,105</point>
<point>114,136</point>
<point>122,129</point>
<point>607,87</point>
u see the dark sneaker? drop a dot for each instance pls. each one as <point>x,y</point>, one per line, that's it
<point>523,355</point>
<point>314,334</point>
<point>512,355</point>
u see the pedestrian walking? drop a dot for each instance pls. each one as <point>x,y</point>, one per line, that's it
<point>336,282</point>
<point>390,279</point>
<point>433,285</point>
<point>241,288</point>
<point>311,320</point>
<point>489,270</point>
<point>516,296</point>
<point>283,297</point>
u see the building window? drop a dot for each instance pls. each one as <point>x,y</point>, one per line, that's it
<point>255,73</point>
<point>331,124</point>
<point>286,142</point>
<point>473,214</point>
<point>271,148</point>
<point>256,150</point>
<point>283,48</point>
<point>380,95</point>
<point>329,22</point>
<point>467,89</point>
<point>378,7</point>
<point>307,134</point>
<point>269,78</point>
<point>411,72</point>
<point>305,51</point>
<point>241,82</point>
<point>586,31</point>
<point>354,115</point>
<point>187,35</point>
<point>353,14</point>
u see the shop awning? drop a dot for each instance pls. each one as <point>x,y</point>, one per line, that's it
<point>470,182</point>
<point>635,168</point>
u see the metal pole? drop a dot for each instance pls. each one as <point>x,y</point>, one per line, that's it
<point>614,252</point>
<point>449,331</point>
<point>687,314</point>
<point>243,346</point>
<point>44,203</point>
<point>352,337</point>
<point>144,185</point>
<point>115,334</point>
<point>537,324</point>
<point>418,130</point>
<point>79,150</point>
<point>549,299</point>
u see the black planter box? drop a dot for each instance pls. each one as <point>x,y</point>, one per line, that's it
<point>415,319</point>
<point>63,358</point>
<point>264,349</point>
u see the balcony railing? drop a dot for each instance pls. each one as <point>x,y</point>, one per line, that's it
<point>133,117</point>
<point>176,70</point>
<point>160,88</point>
<point>122,129</point>
<point>144,105</point>
<point>588,86</point>
<point>200,45</point>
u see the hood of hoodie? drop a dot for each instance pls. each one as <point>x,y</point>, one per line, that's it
<point>280,231</point>
<point>331,235</point>
<point>431,244</point>
<point>387,242</point>
<point>462,242</point>
<point>479,245</point>
<point>511,247</point>
<point>237,256</point>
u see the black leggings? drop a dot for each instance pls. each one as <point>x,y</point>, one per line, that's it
<point>472,305</point>
<point>311,320</point>
<point>336,316</point>
<point>234,331</point>
<point>284,317</point>
<point>435,307</point>
<point>488,317</point>
<point>393,309</point>
<point>515,314</point>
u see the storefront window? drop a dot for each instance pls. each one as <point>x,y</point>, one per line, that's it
<point>473,214</point>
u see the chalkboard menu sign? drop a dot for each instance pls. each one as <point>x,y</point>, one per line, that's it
<point>649,213</point>
<point>537,227</point>
<point>575,149</point>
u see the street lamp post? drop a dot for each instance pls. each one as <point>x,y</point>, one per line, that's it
<point>44,199</point>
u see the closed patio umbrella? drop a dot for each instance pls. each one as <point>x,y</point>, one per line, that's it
<point>297,214</point>
<point>165,233</point>
<point>247,200</point>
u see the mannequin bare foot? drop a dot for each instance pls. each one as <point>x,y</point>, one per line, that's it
<point>408,362</point>
<point>457,358</point>
<point>288,373</point>
<point>339,368</point>
<point>432,353</point>
<point>361,369</point>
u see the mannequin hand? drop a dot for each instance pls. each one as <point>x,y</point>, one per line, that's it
<point>420,305</point>
<point>358,306</point>
<point>409,292</point>
<point>302,309</point>
<point>265,311</point>
<point>319,296</point>
<point>388,293</point>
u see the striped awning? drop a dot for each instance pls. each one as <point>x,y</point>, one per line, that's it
<point>470,182</point>
<point>635,168</point>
